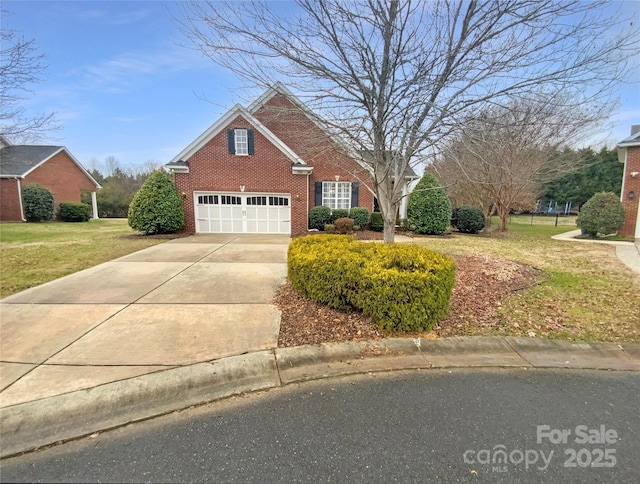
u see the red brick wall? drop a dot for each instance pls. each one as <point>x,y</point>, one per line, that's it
<point>267,171</point>
<point>9,200</point>
<point>212,168</point>
<point>62,177</point>
<point>307,140</point>
<point>631,184</point>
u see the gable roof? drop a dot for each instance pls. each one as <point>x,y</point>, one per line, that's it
<point>279,88</point>
<point>20,160</point>
<point>633,140</point>
<point>222,123</point>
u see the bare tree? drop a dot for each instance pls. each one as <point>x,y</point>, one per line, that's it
<point>20,66</point>
<point>392,79</point>
<point>506,153</point>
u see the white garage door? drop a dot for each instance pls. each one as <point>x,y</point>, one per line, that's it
<point>245,213</point>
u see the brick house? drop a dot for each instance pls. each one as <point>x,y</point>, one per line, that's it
<point>629,154</point>
<point>53,167</point>
<point>261,169</point>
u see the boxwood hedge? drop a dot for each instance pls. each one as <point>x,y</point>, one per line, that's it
<point>75,212</point>
<point>402,287</point>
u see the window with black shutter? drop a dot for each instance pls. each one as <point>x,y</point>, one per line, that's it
<point>241,142</point>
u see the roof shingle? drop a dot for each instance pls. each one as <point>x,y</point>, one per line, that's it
<point>19,160</point>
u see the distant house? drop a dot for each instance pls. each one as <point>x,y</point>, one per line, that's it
<point>629,154</point>
<point>260,169</point>
<point>53,167</point>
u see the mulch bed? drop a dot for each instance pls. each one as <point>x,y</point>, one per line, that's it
<point>482,282</point>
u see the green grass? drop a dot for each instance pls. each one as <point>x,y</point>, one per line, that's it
<point>587,293</point>
<point>35,253</point>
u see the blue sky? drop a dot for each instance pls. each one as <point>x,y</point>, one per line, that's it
<point>122,86</point>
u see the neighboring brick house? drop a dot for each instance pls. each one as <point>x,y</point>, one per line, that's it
<point>53,167</point>
<point>629,154</point>
<point>261,169</point>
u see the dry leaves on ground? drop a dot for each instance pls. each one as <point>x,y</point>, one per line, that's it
<point>482,282</point>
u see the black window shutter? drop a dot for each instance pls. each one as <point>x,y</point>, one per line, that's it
<point>250,141</point>
<point>232,141</point>
<point>318,194</point>
<point>354,194</point>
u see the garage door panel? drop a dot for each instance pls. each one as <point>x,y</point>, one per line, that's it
<point>242,213</point>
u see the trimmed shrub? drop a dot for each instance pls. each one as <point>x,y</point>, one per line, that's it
<point>344,225</point>
<point>360,216</point>
<point>75,212</point>
<point>402,287</point>
<point>454,218</point>
<point>377,222</point>
<point>37,203</point>
<point>429,209</point>
<point>468,219</point>
<point>601,214</point>
<point>324,268</point>
<point>157,207</point>
<point>330,228</point>
<point>319,216</point>
<point>405,287</point>
<point>339,213</point>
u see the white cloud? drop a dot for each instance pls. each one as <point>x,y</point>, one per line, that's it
<point>120,73</point>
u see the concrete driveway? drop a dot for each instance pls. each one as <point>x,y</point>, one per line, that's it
<point>186,301</point>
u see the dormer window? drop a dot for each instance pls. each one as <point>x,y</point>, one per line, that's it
<point>240,142</point>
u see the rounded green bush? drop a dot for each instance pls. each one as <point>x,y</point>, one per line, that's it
<point>319,216</point>
<point>402,287</point>
<point>360,216</point>
<point>405,287</point>
<point>75,212</point>
<point>602,214</point>
<point>377,222</point>
<point>323,268</point>
<point>339,213</point>
<point>468,219</point>
<point>429,209</point>
<point>37,203</point>
<point>157,207</point>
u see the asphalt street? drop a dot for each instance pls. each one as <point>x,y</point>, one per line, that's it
<point>468,425</point>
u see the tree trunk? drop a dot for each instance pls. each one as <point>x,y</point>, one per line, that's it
<point>389,231</point>
<point>503,214</point>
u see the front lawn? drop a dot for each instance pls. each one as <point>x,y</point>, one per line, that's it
<point>34,253</point>
<point>521,284</point>
<point>588,293</point>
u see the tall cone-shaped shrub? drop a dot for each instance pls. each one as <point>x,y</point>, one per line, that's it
<point>157,208</point>
<point>429,209</point>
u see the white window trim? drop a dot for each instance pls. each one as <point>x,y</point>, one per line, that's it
<point>336,198</point>
<point>245,145</point>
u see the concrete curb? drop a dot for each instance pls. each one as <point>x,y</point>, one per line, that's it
<point>38,423</point>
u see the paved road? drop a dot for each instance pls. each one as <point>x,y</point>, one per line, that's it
<point>427,426</point>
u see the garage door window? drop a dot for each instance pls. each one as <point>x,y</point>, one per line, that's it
<point>208,199</point>
<point>278,201</point>
<point>256,200</point>
<point>229,200</point>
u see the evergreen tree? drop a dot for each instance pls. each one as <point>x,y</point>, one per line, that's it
<point>429,209</point>
<point>602,173</point>
<point>157,207</point>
